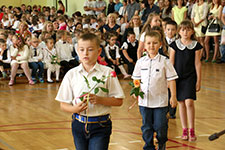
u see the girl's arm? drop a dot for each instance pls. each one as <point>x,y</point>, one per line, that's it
<point>172,16</point>
<point>198,69</point>
<point>172,55</point>
<point>220,13</point>
<point>140,49</point>
<point>185,14</point>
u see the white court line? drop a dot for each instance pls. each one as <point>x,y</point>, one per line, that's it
<point>204,135</point>
<point>63,149</point>
<point>113,143</point>
<point>136,141</point>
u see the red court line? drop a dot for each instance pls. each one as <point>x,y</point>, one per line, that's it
<point>35,129</point>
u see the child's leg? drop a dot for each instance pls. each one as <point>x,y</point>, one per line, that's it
<point>14,68</point>
<point>49,71</point>
<point>57,72</point>
<point>26,70</point>
<point>130,67</point>
<point>41,69</point>
<point>147,127</point>
<point>161,126</point>
<point>34,68</point>
<point>123,71</point>
<point>1,68</point>
<point>183,119</point>
<point>191,118</point>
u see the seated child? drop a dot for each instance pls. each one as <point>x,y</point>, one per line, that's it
<point>129,48</point>
<point>51,60</point>
<point>5,58</point>
<point>35,60</point>
<point>113,56</point>
<point>19,55</point>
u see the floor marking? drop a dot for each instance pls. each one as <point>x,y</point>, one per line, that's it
<point>63,149</point>
<point>113,143</point>
<point>212,89</point>
<point>137,141</point>
<point>7,145</point>
<point>204,135</point>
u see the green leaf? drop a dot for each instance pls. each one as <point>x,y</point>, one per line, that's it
<point>104,89</point>
<point>94,78</point>
<point>86,80</point>
<point>96,90</point>
<point>103,82</point>
<point>132,91</point>
<point>131,83</point>
<point>141,94</point>
<point>82,98</point>
<point>98,80</point>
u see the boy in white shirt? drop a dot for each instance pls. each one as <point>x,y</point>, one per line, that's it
<point>170,30</point>
<point>155,72</point>
<point>64,51</point>
<point>35,60</point>
<point>92,132</point>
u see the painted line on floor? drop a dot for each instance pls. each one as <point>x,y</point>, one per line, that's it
<point>113,143</point>
<point>7,145</point>
<point>136,141</point>
<point>212,89</point>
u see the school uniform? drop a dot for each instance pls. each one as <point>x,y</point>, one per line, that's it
<point>35,62</point>
<point>131,49</point>
<point>154,74</point>
<point>64,51</point>
<point>185,67</point>
<point>5,59</point>
<point>71,88</point>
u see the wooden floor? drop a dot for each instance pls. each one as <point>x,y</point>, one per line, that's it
<point>30,118</point>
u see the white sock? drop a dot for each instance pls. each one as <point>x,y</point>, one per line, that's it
<point>122,69</point>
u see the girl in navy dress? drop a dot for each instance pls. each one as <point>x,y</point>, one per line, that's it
<point>185,54</point>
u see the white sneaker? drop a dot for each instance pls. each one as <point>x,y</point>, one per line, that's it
<point>50,81</point>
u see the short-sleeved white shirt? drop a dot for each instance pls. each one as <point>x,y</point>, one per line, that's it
<point>73,85</point>
<point>114,47</point>
<point>142,37</point>
<point>89,4</point>
<point>154,74</point>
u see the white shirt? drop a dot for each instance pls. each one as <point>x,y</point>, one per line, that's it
<point>64,51</point>
<point>39,56</point>
<point>169,41</point>
<point>99,4</point>
<point>125,44</point>
<point>47,54</point>
<point>154,74</point>
<point>16,25</point>
<point>73,85</point>
<point>142,38</point>
<point>137,32</point>
<point>91,4</point>
<point>114,47</point>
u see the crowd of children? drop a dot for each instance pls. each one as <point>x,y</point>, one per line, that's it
<point>144,46</point>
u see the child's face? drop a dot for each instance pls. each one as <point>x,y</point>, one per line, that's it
<point>64,37</point>
<point>50,44</point>
<point>131,38</point>
<point>14,40</point>
<point>152,45</point>
<point>28,41</point>
<point>35,43</point>
<point>3,46</point>
<point>112,40</point>
<point>49,27</point>
<point>171,31</point>
<point>88,52</point>
<point>186,33</point>
<point>156,21</point>
<point>55,25</point>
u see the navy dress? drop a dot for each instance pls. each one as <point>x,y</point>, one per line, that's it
<point>185,67</point>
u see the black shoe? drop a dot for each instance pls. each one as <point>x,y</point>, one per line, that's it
<point>172,117</point>
<point>57,81</point>
<point>220,62</point>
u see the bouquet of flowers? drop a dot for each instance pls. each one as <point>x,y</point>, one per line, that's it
<point>135,91</point>
<point>55,59</point>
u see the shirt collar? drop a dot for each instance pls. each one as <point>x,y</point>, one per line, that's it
<point>169,41</point>
<point>181,46</point>
<point>96,67</point>
<point>157,57</point>
<point>133,43</point>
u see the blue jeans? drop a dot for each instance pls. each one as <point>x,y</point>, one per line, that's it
<point>222,50</point>
<point>35,66</point>
<point>154,120</point>
<point>97,138</point>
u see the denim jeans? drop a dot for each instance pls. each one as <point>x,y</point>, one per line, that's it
<point>222,51</point>
<point>35,66</point>
<point>97,138</point>
<point>154,120</point>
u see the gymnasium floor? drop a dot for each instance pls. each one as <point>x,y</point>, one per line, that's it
<point>30,118</point>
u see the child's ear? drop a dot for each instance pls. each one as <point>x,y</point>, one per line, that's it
<point>99,51</point>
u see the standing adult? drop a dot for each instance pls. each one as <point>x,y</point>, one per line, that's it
<point>100,7</point>
<point>89,7</point>
<point>167,10</point>
<point>117,5</point>
<point>198,18</point>
<point>179,12</point>
<point>122,10</point>
<point>150,8</point>
<point>133,8</point>
<point>61,6</point>
<point>111,7</point>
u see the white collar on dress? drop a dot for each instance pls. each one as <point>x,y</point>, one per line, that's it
<point>181,46</point>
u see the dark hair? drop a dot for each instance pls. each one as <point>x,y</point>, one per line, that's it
<point>167,19</point>
<point>2,41</point>
<point>90,37</point>
<point>130,32</point>
<point>187,24</point>
<point>171,22</point>
<point>59,12</point>
<point>169,9</point>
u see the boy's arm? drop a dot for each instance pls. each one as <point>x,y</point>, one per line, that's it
<point>73,109</point>
<point>107,101</point>
<point>173,98</point>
